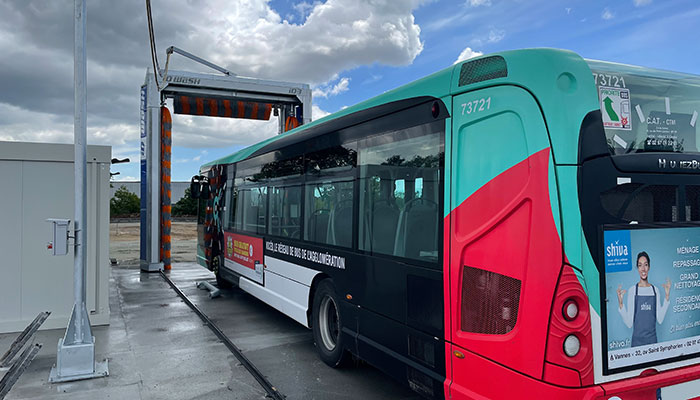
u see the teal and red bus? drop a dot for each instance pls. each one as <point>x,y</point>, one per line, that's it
<point>520,225</point>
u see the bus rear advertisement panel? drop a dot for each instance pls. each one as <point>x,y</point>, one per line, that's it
<point>652,282</point>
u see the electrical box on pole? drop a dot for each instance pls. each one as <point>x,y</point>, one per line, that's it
<point>59,244</point>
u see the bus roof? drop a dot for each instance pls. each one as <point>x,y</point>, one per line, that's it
<point>547,65</point>
<point>436,85</point>
<point>644,71</point>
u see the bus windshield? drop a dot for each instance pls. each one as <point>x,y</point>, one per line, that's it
<point>646,110</point>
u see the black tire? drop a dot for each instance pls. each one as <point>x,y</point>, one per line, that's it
<point>221,282</point>
<point>326,324</point>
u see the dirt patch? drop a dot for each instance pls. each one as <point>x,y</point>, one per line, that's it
<point>125,237</point>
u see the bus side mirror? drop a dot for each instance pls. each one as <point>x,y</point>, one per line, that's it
<point>206,191</point>
<point>194,187</point>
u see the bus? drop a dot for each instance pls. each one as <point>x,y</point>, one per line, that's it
<point>523,224</point>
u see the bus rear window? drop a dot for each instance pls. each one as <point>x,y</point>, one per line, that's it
<point>645,110</point>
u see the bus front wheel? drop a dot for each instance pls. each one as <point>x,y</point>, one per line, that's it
<point>327,325</point>
<point>221,282</point>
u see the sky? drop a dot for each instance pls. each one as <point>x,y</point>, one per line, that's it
<point>347,50</point>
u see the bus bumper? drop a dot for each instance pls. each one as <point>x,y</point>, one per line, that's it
<point>680,383</point>
<point>475,377</point>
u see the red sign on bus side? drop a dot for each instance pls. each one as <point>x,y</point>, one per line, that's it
<point>244,250</point>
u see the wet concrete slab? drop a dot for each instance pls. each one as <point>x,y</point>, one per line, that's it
<point>281,348</point>
<point>159,349</point>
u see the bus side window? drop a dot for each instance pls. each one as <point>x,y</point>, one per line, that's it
<point>231,206</point>
<point>254,209</point>
<point>381,200</point>
<point>399,194</point>
<point>227,218</point>
<point>285,218</point>
<point>238,213</point>
<point>329,195</point>
<point>329,207</point>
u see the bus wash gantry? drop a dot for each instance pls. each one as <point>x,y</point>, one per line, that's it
<point>227,95</point>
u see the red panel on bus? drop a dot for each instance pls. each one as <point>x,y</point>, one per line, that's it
<point>485,379</point>
<point>244,250</point>
<point>506,228</point>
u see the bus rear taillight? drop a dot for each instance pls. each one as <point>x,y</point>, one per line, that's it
<point>569,356</point>
<point>572,346</point>
<point>570,310</point>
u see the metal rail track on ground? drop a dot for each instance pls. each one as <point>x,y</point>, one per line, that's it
<point>17,369</point>
<point>262,380</point>
<point>23,338</point>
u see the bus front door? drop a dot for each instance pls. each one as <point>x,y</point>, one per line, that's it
<point>505,252</point>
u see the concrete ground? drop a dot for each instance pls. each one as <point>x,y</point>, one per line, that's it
<point>159,349</point>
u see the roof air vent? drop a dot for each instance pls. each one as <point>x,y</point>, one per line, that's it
<point>483,69</point>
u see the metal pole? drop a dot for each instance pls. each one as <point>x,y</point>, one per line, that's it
<point>173,49</point>
<point>75,358</point>
<point>80,137</point>
<point>152,263</point>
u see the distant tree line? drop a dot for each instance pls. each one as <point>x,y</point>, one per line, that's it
<point>124,203</point>
<point>186,206</point>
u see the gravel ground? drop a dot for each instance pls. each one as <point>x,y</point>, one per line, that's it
<point>124,242</point>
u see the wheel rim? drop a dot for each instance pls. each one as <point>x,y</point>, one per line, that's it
<point>329,323</point>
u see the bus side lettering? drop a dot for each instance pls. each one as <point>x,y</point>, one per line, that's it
<point>609,80</point>
<point>476,105</point>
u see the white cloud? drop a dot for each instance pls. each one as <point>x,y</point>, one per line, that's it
<point>466,54</point>
<point>640,3</point>
<point>477,3</point>
<point>568,10</point>
<point>373,78</point>
<point>196,158</point>
<point>493,36</point>
<point>607,14</point>
<point>125,178</point>
<point>199,156</point>
<point>252,39</point>
<point>317,112</point>
<point>33,126</point>
<point>248,37</point>
<point>304,8</point>
<point>329,89</point>
<point>496,35</point>
<point>197,131</point>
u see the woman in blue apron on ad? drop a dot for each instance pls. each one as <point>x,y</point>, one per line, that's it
<point>643,309</point>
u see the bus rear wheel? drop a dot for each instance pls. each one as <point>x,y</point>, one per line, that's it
<point>327,325</point>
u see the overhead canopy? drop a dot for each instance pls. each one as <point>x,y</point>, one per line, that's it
<point>218,107</point>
